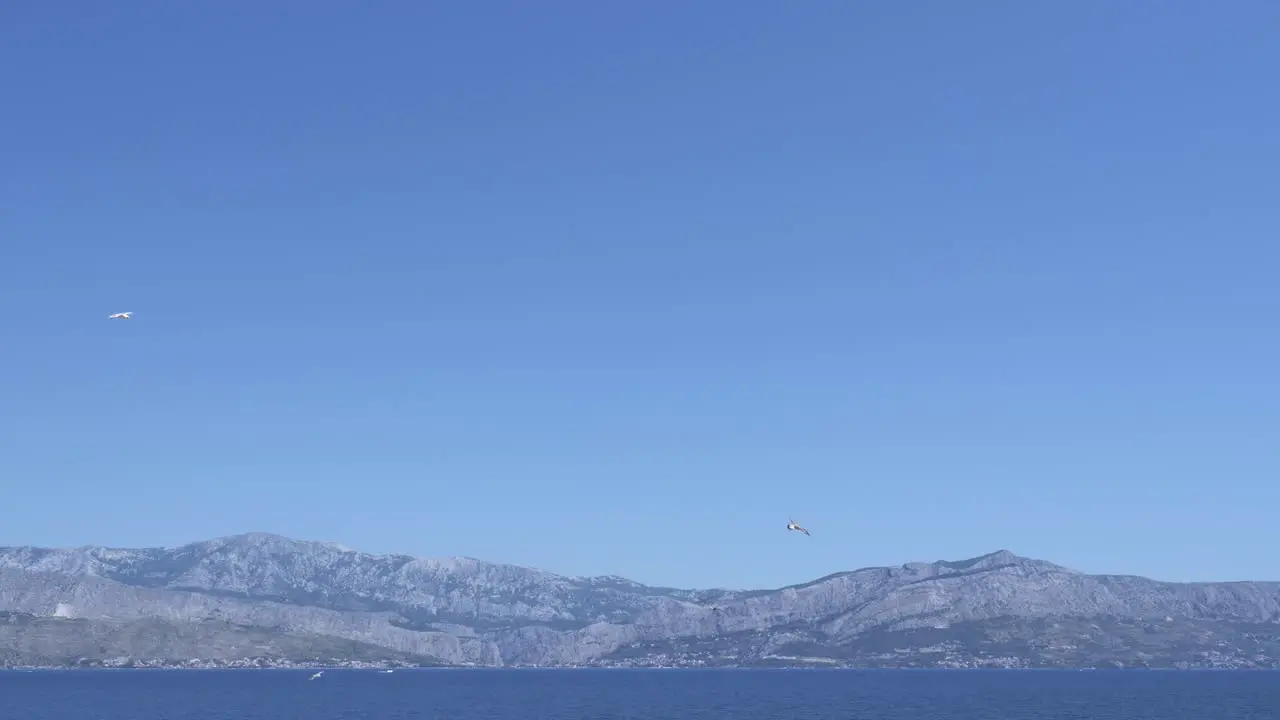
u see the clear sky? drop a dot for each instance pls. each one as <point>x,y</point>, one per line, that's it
<point>620,287</point>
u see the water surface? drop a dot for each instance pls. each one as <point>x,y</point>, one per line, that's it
<point>639,694</point>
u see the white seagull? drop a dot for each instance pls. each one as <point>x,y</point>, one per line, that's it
<point>313,677</point>
<point>120,316</point>
<point>791,525</point>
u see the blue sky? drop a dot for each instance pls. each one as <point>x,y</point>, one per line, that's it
<point>617,288</point>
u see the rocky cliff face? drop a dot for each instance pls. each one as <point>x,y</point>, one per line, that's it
<point>465,611</point>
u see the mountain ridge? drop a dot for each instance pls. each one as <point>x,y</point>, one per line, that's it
<point>290,595</point>
<point>1000,556</point>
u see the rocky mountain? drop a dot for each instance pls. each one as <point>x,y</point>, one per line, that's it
<point>280,600</point>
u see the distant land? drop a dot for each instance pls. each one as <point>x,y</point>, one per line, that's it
<point>261,600</point>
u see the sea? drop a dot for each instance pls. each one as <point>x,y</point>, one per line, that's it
<point>640,694</point>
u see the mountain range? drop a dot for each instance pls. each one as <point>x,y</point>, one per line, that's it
<point>265,600</point>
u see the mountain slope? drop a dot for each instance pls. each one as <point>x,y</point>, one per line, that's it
<point>997,608</point>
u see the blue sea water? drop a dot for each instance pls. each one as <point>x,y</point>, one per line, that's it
<point>639,694</point>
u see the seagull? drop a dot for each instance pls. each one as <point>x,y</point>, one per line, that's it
<point>791,525</point>
<point>313,677</point>
<point>120,316</point>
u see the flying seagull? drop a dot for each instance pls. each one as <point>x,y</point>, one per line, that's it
<point>791,525</point>
<point>313,677</point>
<point>120,316</point>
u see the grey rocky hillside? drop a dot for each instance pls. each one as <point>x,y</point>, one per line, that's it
<point>261,595</point>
